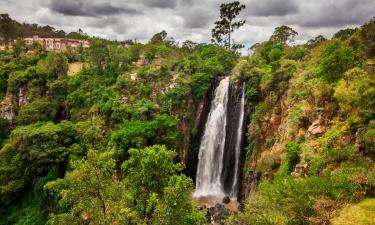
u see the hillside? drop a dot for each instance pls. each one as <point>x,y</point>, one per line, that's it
<point>116,141</point>
<point>126,97</point>
<point>311,131</point>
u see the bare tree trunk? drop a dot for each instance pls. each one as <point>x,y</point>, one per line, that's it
<point>230,23</point>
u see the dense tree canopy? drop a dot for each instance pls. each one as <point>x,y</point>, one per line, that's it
<point>106,134</point>
<point>335,60</point>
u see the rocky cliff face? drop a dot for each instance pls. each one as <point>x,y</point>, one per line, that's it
<point>6,108</point>
<point>12,101</point>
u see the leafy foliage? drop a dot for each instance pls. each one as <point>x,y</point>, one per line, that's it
<point>356,91</point>
<point>323,86</point>
<point>335,60</point>
<point>38,110</point>
<point>89,194</point>
<point>148,172</point>
<point>25,158</point>
<point>176,207</point>
<point>283,34</point>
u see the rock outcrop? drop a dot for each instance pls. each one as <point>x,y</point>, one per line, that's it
<point>226,200</point>
<point>217,214</point>
<point>300,170</point>
<point>317,128</point>
<point>6,108</point>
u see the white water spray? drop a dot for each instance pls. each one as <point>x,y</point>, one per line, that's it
<point>211,150</point>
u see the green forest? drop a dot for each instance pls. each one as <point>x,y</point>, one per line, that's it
<point>111,142</point>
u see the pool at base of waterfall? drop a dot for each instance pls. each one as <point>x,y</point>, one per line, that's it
<point>211,201</point>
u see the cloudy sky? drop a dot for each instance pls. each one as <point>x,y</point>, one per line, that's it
<point>190,19</point>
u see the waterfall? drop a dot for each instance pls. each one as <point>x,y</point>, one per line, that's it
<point>211,150</point>
<point>234,189</point>
<point>221,144</point>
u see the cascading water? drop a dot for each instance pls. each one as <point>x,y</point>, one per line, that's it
<point>221,144</point>
<point>211,149</point>
<point>234,189</point>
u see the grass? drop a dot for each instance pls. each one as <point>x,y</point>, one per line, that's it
<point>362,213</point>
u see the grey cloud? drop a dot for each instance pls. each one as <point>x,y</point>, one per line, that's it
<point>197,17</point>
<point>331,13</point>
<point>160,3</point>
<point>198,21</point>
<point>88,8</point>
<point>190,19</point>
<point>272,7</point>
<point>103,22</point>
<point>74,8</point>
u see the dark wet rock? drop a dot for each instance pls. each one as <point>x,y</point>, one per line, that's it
<point>217,214</point>
<point>226,200</point>
<point>241,207</point>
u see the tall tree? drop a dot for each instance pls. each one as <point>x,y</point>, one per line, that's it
<point>224,27</point>
<point>176,205</point>
<point>98,53</point>
<point>91,193</point>
<point>312,43</point>
<point>283,34</point>
<point>148,171</point>
<point>159,38</point>
<point>57,65</point>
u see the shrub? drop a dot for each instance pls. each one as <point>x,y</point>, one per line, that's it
<point>292,155</point>
<point>356,91</point>
<point>57,65</point>
<point>268,161</point>
<point>3,129</point>
<point>275,54</point>
<point>148,172</point>
<point>267,48</point>
<point>297,53</point>
<point>367,33</point>
<point>5,70</point>
<point>339,154</point>
<point>370,138</point>
<point>39,110</point>
<point>362,213</point>
<point>136,133</point>
<point>176,206</point>
<point>32,151</point>
<point>334,61</point>
<point>200,83</point>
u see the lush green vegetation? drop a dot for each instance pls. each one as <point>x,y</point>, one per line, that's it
<point>95,147</point>
<point>311,124</point>
<point>109,144</point>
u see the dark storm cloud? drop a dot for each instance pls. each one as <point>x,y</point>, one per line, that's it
<point>191,19</point>
<point>160,3</point>
<point>272,7</point>
<point>332,13</point>
<point>88,8</point>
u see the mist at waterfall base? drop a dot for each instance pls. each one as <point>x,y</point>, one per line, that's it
<point>221,144</point>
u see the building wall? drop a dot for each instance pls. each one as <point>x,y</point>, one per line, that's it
<point>57,44</point>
